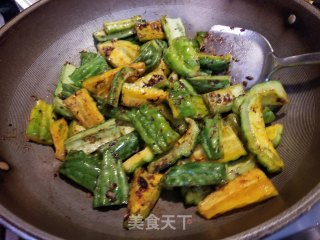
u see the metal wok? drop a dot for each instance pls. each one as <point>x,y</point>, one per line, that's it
<point>37,203</point>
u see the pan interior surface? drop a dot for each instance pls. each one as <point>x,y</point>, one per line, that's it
<point>33,197</point>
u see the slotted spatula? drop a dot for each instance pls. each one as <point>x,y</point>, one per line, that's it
<point>254,58</point>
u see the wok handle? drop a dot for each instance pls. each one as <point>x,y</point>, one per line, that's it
<point>298,60</point>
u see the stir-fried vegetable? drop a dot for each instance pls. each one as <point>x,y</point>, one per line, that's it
<point>117,83</point>
<point>139,159</point>
<point>165,113</point>
<point>251,187</point>
<point>59,131</point>
<point>117,29</point>
<point>185,102</point>
<point>199,38</point>
<point>256,134</point>
<point>233,148</point>
<point>173,28</point>
<point>195,174</point>
<point>211,138</point>
<point>84,108</point>
<point>144,193</point>
<point>100,85</point>
<point>82,169</point>
<point>274,133</point>
<point>215,63</point>
<point>64,79</point>
<point>220,101</point>
<point>91,67</point>
<point>112,185</point>
<point>85,168</point>
<point>208,83</point>
<point>91,139</point>
<point>119,52</point>
<point>41,118</point>
<point>182,148</point>
<point>150,54</point>
<point>182,57</point>
<point>135,96</point>
<point>194,195</point>
<point>149,31</point>
<point>156,78</point>
<point>153,128</point>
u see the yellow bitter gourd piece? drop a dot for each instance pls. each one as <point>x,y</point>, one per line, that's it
<point>149,31</point>
<point>84,108</point>
<point>232,146</point>
<point>251,187</point>
<point>60,132</point>
<point>100,85</point>
<point>119,52</point>
<point>144,192</point>
<point>134,96</point>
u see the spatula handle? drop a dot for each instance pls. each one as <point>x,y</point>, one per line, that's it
<point>298,60</point>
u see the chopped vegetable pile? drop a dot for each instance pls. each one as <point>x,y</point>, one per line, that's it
<point>152,110</point>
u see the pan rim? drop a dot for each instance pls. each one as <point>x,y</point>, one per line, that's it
<point>5,28</point>
<point>28,231</point>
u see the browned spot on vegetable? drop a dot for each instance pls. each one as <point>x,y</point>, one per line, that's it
<point>107,51</point>
<point>142,25</point>
<point>154,80</point>
<point>112,143</point>
<point>142,183</point>
<point>161,166</point>
<point>111,196</point>
<point>116,156</point>
<point>254,109</point>
<point>227,98</point>
<point>202,49</point>
<point>153,100</point>
<point>242,181</point>
<point>280,100</point>
<point>138,194</point>
<point>112,186</point>
<point>150,177</point>
<point>90,139</point>
<point>98,83</point>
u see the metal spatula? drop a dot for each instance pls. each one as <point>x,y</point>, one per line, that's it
<point>254,58</point>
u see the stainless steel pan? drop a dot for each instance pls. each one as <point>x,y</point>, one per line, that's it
<point>33,47</point>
